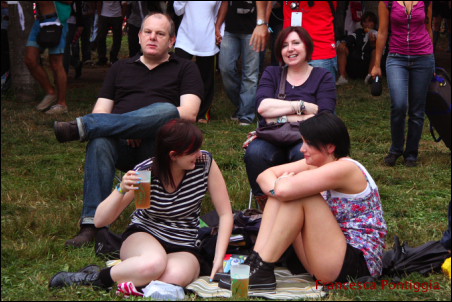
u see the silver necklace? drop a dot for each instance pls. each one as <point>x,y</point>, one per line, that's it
<point>293,86</point>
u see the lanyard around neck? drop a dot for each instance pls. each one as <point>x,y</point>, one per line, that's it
<point>408,17</point>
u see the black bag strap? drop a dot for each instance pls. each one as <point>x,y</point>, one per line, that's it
<point>433,135</point>
<point>282,84</point>
<point>333,11</point>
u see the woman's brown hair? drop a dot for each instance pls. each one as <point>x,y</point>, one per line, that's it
<point>179,136</point>
<point>304,36</point>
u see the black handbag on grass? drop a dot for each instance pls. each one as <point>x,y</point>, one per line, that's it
<point>281,134</point>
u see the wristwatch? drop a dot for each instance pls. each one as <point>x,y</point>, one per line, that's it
<point>281,119</point>
<point>261,22</point>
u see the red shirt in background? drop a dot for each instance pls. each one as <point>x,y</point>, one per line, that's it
<point>318,22</point>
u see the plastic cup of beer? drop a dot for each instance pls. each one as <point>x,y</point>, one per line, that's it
<point>240,277</point>
<point>143,194</point>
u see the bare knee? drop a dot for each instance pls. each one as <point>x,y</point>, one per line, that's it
<point>181,277</point>
<point>325,278</point>
<point>30,60</point>
<point>151,269</point>
<point>56,63</point>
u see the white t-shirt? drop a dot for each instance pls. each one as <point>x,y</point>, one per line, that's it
<point>111,8</point>
<point>196,34</point>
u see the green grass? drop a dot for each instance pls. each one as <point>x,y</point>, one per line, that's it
<point>42,187</point>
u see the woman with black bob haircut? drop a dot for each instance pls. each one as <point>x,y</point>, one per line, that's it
<point>326,206</point>
<point>324,130</point>
<point>160,242</point>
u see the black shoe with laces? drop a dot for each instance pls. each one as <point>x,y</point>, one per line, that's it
<point>92,268</point>
<point>226,276</point>
<point>262,275</point>
<point>63,279</point>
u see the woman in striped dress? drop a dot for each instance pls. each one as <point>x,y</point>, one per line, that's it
<point>160,242</point>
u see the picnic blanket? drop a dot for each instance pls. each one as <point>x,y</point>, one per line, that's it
<point>288,287</point>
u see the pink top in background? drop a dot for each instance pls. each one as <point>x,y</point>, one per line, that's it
<point>420,42</point>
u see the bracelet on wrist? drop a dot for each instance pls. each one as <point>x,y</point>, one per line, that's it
<point>299,108</point>
<point>303,107</point>
<point>294,111</point>
<point>276,181</point>
<point>118,187</point>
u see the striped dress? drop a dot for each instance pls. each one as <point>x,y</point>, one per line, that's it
<point>174,217</point>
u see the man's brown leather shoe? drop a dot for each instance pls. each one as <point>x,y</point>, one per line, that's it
<point>86,235</point>
<point>66,131</point>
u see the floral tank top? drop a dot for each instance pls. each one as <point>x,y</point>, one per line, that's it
<point>360,218</point>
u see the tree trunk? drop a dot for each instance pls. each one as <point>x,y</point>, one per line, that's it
<point>23,85</point>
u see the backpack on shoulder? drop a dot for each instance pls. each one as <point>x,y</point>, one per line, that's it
<point>437,106</point>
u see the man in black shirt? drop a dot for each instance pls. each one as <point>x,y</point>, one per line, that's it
<point>138,96</point>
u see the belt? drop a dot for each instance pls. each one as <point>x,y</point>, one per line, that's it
<point>45,17</point>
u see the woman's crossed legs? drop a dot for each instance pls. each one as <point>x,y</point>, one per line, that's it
<point>144,260</point>
<point>311,227</point>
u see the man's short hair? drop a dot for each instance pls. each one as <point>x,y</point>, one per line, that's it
<point>172,29</point>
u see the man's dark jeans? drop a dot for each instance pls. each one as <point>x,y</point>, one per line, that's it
<point>107,148</point>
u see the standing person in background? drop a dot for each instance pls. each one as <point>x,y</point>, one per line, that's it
<point>196,37</point>
<point>87,14</point>
<point>110,13</point>
<point>409,67</point>
<point>276,24</point>
<point>47,12</point>
<point>440,10</point>
<point>317,19</point>
<point>134,23</point>
<point>95,23</point>
<point>71,50</point>
<point>245,26</point>
<point>268,12</point>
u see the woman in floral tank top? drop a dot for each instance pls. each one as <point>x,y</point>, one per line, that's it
<point>326,205</point>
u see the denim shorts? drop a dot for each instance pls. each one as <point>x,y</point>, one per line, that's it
<point>36,28</point>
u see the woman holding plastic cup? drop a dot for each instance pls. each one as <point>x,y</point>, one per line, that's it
<point>160,242</point>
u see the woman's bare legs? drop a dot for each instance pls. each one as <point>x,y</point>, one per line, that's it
<point>323,243</point>
<point>182,268</point>
<point>143,260</point>
<point>268,221</point>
